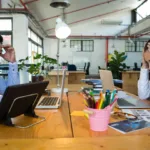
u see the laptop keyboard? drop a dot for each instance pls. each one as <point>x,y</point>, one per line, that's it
<point>49,101</point>
<point>123,102</point>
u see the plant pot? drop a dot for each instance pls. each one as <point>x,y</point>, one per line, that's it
<point>37,78</point>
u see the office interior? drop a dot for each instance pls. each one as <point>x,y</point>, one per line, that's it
<point>98,28</point>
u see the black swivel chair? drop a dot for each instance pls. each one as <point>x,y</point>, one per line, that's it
<point>87,68</point>
<point>72,67</point>
<point>136,67</point>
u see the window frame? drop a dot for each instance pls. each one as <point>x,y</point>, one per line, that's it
<point>35,43</point>
<point>82,45</point>
<point>138,47</point>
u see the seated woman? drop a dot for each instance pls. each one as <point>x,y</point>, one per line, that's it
<point>13,75</point>
<point>144,83</point>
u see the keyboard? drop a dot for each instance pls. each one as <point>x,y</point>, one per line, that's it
<point>48,102</point>
<point>123,102</point>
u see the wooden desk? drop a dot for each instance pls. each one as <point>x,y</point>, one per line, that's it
<point>75,77</point>
<point>53,77</point>
<point>72,77</point>
<point>105,143</point>
<point>130,80</point>
<point>59,123</point>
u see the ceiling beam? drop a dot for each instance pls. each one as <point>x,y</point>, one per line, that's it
<point>24,5</point>
<point>102,3</point>
<point>143,34</point>
<point>96,37</point>
<point>115,11</point>
<point>29,2</point>
<point>33,18</point>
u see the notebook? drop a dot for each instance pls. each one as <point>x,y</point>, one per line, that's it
<point>48,102</point>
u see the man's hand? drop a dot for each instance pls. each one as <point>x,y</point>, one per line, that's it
<point>10,53</point>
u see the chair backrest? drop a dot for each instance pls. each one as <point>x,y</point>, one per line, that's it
<point>84,66</point>
<point>107,80</point>
<point>72,68</point>
<point>87,69</point>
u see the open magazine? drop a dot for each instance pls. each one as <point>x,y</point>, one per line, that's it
<point>141,114</point>
<point>127,126</point>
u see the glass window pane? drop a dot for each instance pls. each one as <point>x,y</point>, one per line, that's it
<point>6,39</point>
<point>39,41</point>
<point>5,25</point>
<point>34,37</point>
<point>40,50</point>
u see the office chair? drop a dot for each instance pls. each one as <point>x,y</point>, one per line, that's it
<point>84,66</point>
<point>72,67</point>
<point>87,69</point>
<point>136,67</point>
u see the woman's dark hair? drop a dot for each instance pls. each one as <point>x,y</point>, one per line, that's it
<point>146,48</point>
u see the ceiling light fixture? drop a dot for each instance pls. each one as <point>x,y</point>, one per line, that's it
<point>62,30</point>
<point>60,3</point>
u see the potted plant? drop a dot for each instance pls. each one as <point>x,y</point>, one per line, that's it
<point>116,64</point>
<point>39,69</point>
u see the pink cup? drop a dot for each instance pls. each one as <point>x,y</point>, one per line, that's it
<point>100,119</point>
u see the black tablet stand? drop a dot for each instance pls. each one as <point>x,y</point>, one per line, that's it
<point>31,113</point>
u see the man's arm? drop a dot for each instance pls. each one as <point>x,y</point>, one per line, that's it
<point>13,75</point>
<point>144,84</point>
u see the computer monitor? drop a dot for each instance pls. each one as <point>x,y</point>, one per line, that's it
<point>20,99</point>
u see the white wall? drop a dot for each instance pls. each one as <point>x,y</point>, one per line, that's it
<point>132,57</point>
<point>97,58</point>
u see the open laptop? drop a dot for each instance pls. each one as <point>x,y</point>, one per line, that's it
<point>50,101</point>
<point>124,101</point>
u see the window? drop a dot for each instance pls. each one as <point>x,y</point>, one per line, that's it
<point>136,46</point>
<point>35,45</point>
<point>143,11</point>
<point>82,45</point>
<point>6,30</point>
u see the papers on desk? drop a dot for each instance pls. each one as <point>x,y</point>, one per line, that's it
<point>127,126</point>
<point>98,81</point>
<point>141,114</point>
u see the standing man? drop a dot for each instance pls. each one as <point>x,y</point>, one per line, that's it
<point>8,53</point>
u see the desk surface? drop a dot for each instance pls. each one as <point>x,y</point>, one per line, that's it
<point>105,143</point>
<point>59,123</point>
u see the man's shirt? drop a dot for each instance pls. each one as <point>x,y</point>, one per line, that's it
<point>13,78</point>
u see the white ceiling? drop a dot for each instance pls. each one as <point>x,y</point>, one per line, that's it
<point>114,10</point>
